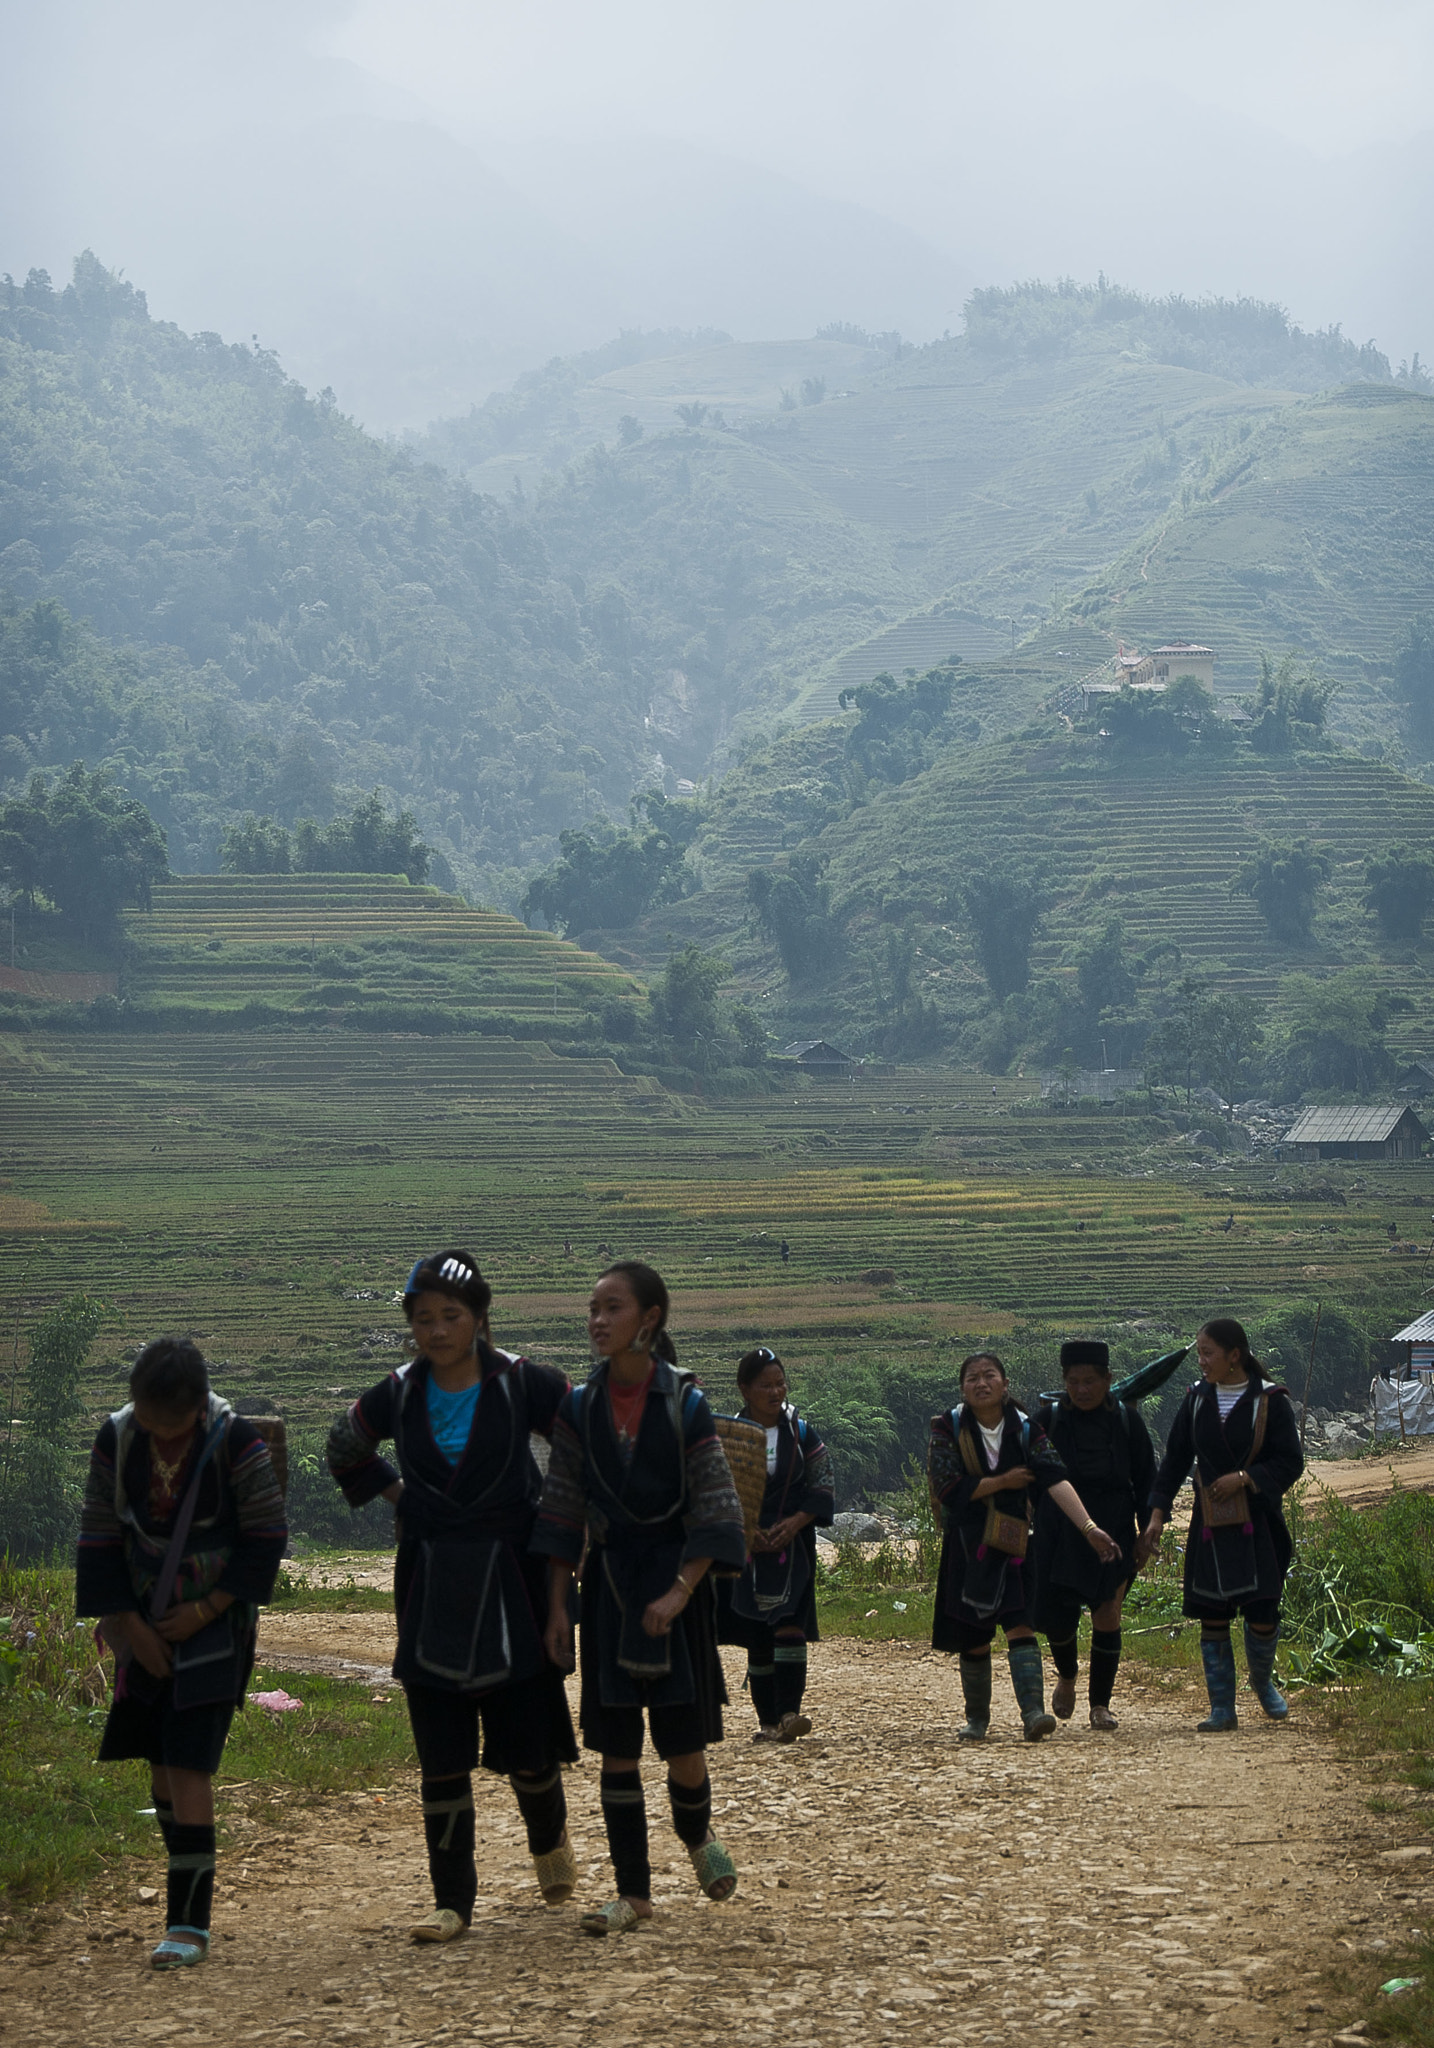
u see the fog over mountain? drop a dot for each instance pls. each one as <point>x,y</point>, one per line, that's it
<point>414,203</point>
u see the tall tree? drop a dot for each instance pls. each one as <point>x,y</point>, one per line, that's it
<point>1284,877</point>
<point>85,845</point>
<point>1005,910</point>
<point>1399,889</point>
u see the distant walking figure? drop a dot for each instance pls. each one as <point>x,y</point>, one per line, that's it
<point>986,1458</point>
<point>1237,1430</point>
<point>1106,1448</point>
<point>772,1609</point>
<point>786,1253</point>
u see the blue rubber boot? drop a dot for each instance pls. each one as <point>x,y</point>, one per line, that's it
<point>1029,1681</point>
<point>1260,1660</point>
<point>1218,1657</point>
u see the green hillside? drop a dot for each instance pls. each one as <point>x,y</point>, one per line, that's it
<point>1316,533</point>
<point>364,951</point>
<point>1156,844</point>
<point>243,603</point>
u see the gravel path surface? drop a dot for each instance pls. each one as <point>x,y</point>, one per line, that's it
<point>1151,1886</point>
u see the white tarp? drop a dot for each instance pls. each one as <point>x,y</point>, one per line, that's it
<point>1409,1400</point>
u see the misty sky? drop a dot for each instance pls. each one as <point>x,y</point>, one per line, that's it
<point>415,201</point>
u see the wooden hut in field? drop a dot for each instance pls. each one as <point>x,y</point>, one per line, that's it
<point>817,1057</point>
<point>1391,1131</point>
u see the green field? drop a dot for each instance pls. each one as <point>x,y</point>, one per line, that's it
<point>347,948</point>
<point>267,1193</point>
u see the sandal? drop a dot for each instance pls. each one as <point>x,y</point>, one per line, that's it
<point>1102,1718</point>
<point>618,1916</point>
<point>442,1924</point>
<point>557,1873</point>
<point>716,1872</point>
<point>792,1725</point>
<point>181,1949</point>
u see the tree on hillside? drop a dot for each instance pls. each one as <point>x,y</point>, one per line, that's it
<point>1289,708</point>
<point>83,844</point>
<point>793,906</point>
<point>1335,1032</point>
<point>1399,889</point>
<point>1005,910</point>
<point>258,846</point>
<point>629,430</point>
<point>1102,973</point>
<point>1414,675</point>
<point>367,842</point>
<point>1284,877</point>
<point>606,879</point>
<point>1210,1036</point>
<point>684,1002</point>
<point>39,1476</point>
<point>892,738</point>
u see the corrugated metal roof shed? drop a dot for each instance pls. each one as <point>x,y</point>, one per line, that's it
<point>1420,1331</point>
<point>1343,1126</point>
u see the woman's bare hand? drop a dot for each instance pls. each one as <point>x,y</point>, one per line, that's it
<point>148,1647</point>
<point>660,1614</point>
<point>558,1640</point>
<point>182,1622</point>
<point>1105,1547</point>
<point>1228,1485</point>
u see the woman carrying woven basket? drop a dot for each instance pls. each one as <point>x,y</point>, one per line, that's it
<point>639,1474</point>
<point>985,1461</point>
<point>1237,1430</point>
<point>771,1611</point>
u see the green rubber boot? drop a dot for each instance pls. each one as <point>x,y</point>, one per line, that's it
<point>976,1691</point>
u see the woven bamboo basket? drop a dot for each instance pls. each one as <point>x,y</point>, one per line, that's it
<point>745,1444</point>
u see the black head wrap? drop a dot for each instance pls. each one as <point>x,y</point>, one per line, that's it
<point>1084,1351</point>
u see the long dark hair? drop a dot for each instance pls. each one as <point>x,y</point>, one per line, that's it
<point>1230,1336</point>
<point>649,1290</point>
<point>752,1364</point>
<point>975,1358</point>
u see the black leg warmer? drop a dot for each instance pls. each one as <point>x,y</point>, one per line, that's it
<point>191,1877</point>
<point>1104,1663</point>
<point>691,1811</point>
<point>448,1828</point>
<point>791,1671</point>
<point>624,1813</point>
<point>762,1685</point>
<point>1063,1655</point>
<point>544,1809</point>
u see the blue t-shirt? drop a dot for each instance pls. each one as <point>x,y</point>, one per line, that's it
<point>450,1417</point>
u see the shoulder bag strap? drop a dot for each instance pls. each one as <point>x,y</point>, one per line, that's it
<point>169,1570</point>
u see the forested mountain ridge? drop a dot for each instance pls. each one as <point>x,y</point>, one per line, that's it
<point>272,611</point>
<point>226,591</point>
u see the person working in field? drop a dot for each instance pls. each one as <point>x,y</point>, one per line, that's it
<point>772,1609</point>
<point>181,1537</point>
<point>986,1458</point>
<point>639,1476</point>
<point>471,1601</point>
<point>1106,1448</point>
<point>1236,1430</point>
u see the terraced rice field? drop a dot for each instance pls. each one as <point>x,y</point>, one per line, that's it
<point>332,943</point>
<point>1161,849</point>
<point>268,1193</point>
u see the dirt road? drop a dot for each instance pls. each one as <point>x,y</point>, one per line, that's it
<point>1363,1481</point>
<point>1150,1887</point>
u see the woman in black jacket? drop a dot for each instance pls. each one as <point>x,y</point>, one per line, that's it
<point>1107,1451</point>
<point>1237,1430</point>
<point>771,1611</point>
<point>985,1460</point>
<point>472,1604</point>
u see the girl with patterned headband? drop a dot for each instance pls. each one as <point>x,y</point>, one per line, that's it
<point>471,1602</point>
